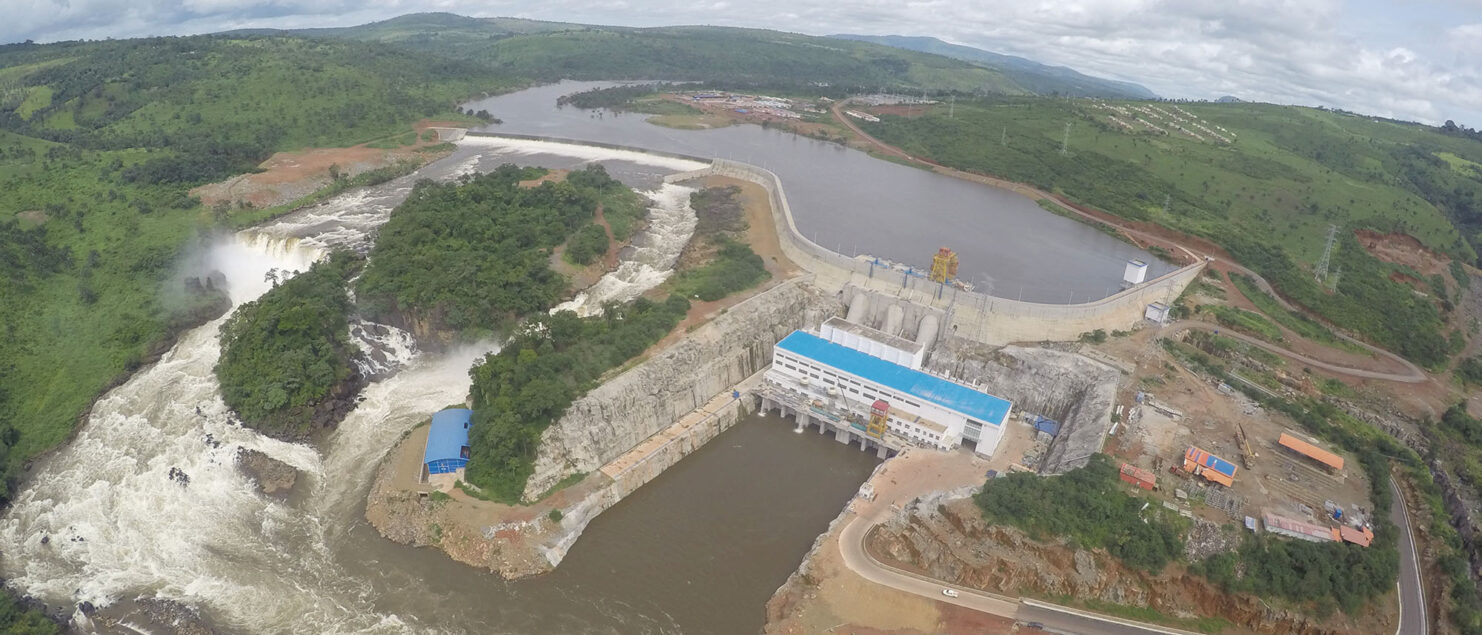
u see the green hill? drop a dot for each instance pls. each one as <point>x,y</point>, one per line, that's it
<point>1264,181</point>
<point>1041,79</point>
<point>548,51</point>
<point>99,144</point>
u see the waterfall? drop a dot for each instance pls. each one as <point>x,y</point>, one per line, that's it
<point>102,519</point>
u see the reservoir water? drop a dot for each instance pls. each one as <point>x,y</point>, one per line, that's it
<point>853,203</point>
<point>698,550</point>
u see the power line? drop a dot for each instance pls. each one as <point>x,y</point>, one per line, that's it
<point>1327,254</point>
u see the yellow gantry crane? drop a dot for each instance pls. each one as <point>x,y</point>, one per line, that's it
<point>944,265</point>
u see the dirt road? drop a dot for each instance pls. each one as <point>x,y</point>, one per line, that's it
<point>1415,375</point>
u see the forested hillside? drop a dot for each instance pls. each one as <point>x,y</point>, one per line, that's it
<point>1033,76</point>
<point>99,143</point>
<point>549,51</point>
<point>1263,181</point>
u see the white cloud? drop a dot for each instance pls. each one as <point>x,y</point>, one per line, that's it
<point>1465,39</point>
<point>1285,51</point>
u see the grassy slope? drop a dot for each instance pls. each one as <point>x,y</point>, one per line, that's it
<point>115,105</point>
<point>1289,174</point>
<point>1274,179</point>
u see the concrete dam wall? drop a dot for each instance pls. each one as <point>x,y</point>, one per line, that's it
<point>976,316</point>
<point>1073,389</point>
<point>629,408</point>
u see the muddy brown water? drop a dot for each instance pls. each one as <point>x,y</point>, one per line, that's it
<point>698,550</point>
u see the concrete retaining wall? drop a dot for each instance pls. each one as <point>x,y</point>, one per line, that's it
<point>576,517</point>
<point>625,410</point>
<point>976,316</point>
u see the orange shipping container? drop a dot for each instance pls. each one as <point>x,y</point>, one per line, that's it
<point>1311,451</point>
<point>1138,476</point>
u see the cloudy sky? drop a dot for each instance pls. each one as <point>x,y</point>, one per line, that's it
<point>1418,60</point>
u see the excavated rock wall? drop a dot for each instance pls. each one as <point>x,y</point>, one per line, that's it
<point>629,408</point>
<point>1070,388</point>
<point>950,541</point>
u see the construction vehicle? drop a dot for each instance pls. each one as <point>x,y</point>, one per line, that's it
<point>1248,456</point>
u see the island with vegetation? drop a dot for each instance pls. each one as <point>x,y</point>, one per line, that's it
<point>287,364</point>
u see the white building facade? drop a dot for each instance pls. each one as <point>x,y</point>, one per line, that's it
<point>822,378</point>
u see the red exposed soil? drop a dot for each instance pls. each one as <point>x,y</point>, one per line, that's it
<point>898,110</point>
<point>1402,249</point>
<point>288,176</point>
<point>1405,278</point>
<point>553,176</point>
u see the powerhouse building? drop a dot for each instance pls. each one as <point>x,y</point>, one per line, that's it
<point>841,375</point>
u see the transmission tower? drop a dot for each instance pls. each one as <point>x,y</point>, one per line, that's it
<point>1167,198</point>
<point>1065,141</point>
<point>1003,139</point>
<point>1327,254</point>
<point>952,107</point>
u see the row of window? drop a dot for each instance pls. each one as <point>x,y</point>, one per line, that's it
<point>829,377</point>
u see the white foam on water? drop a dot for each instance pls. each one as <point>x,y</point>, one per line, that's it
<point>650,260</point>
<point>102,518</point>
<point>521,147</point>
<point>251,261</point>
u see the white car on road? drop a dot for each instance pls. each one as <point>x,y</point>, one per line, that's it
<point>949,593</point>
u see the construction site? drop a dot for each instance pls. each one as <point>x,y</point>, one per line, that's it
<point>1209,452</point>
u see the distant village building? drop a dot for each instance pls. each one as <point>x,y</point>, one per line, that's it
<point>447,451</point>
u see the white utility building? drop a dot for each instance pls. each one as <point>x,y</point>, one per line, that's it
<point>1135,273</point>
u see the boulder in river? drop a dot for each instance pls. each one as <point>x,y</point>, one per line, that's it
<point>273,477</point>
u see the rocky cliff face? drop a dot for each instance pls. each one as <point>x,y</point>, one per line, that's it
<point>1073,389</point>
<point>634,405</point>
<point>951,542</point>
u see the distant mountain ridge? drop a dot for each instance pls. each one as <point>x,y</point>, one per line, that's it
<point>1028,74</point>
<point>547,51</point>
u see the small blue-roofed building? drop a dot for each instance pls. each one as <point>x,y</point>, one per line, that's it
<point>923,409</point>
<point>447,448</point>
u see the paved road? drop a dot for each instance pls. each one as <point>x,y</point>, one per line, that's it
<point>1412,376</point>
<point>1413,617</point>
<point>1054,618</point>
<point>1412,593</point>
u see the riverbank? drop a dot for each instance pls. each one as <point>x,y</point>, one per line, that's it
<point>882,564</point>
<point>517,541</point>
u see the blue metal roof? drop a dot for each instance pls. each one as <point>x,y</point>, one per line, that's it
<point>1211,461</point>
<point>1220,465</point>
<point>448,435</point>
<point>979,406</point>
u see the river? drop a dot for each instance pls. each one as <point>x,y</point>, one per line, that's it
<point>698,550</point>
<point>853,203</point>
<point>100,521</point>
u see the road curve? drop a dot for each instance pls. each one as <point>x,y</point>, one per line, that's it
<point>1414,376</point>
<point>851,548</point>
<point>1412,592</point>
